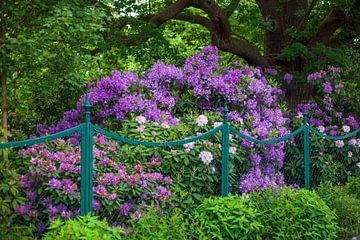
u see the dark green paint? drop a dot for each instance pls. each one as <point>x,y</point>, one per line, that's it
<point>86,191</point>
<point>225,154</point>
<point>306,151</point>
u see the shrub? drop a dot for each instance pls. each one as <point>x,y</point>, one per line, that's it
<point>166,93</point>
<point>10,197</point>
<point>346,205</point>
<point>121,191</point>
<point>86,227</point>
<point>294,214</point>
<point>165,225</point>
<point>353,186</point>
<point>272,214</point>
<point>230,217</point>
<point>165,103</point>
<point>332,161</point>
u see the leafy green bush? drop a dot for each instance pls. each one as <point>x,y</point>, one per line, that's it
<point>162,225</point>
<point>290,214</point>
<point>230,217</point>
<point>283,213</point>
<point>10,198</point>
<point>86,227</point>
<point>345,204</point>
<point>353,186</point>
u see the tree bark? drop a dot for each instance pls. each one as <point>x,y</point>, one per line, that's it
<point>331,23</point>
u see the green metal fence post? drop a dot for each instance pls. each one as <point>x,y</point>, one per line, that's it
<point>86,185</point>
<point>306,151</point>
<point>225,154</point>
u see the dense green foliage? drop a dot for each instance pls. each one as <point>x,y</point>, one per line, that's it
<point>48,52</point>
<point>271,214</point>
<point>166,225</point>
<point>86,227</point>
<point>346,203</point>
<point>228,218</point>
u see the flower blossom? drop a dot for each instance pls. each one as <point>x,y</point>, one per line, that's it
<point>321,129</point>
<point>201,120</point>
<point>288,77</point>
<point>141,128</point>
<point>232,150</point>
<point>140,119</point>
<point>216,124</point>
<point>327,87</point>
<point>339,143</point>
<point>346,128</point>
<point>206,157</point>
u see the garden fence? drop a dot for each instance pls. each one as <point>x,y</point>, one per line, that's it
<point>87,131</point>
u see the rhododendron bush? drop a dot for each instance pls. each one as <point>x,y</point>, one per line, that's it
<point>165,93</point>
<point>333,161</point>
<point>165,103</point>
<point>121,191</point>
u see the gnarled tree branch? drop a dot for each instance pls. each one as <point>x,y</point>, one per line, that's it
<point>327,28</point>
<point>169,12</point>
<point>195,19</point>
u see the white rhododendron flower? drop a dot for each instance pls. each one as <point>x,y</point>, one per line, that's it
<point>201,120</point>
<point>358,164</point>
<point>206,157</point>
<point>189,145</point>
<point>350,154</point>
<point>216,124</point>
<point>140,119</point>
<point>339,143</point>
<point>232,150</point>
<point>321,129</point>
<point>352,142</point>
<point>346,128</point>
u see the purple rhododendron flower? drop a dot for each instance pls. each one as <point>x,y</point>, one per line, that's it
<point>54,183</point>
<point>327,87</point>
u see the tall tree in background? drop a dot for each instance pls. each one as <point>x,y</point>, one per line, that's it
<point>50,48</point>
<point>45,51</point>
<point>291,28</point>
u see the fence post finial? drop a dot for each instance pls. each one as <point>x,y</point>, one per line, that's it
<point>305,117</point>
<point>87,106</point>
<point>225,153</point>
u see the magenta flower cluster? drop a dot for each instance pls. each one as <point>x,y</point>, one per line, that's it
<point>52,182</point>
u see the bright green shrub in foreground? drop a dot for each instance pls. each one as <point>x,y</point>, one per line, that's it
<point>174,225</point>
<point>230,217</point>
<point>271,214</point>
<point>346,203</point>
<point>353,186</point>
<point>86,227</point>
<point>294,214</point>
